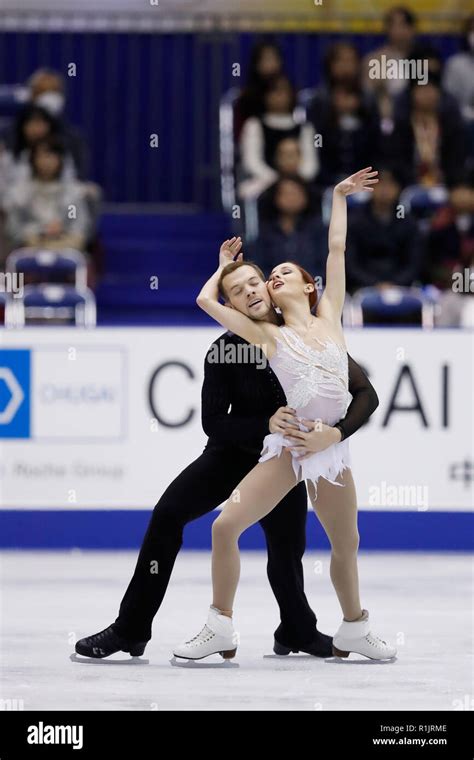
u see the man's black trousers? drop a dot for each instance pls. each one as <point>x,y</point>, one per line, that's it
<point>200,488</point>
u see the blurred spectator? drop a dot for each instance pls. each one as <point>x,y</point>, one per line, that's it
<point>266,62</point>
<point>292,229</point>
<point>48,91</point>
<point>287,164</point>
<point>261,137</point>
<point>383,244</point>
<point>450,250</point>
<point>41,117</point>
<point>342,66</point>
<point>434,65</point>
<point>32,125</point>
<point>429,139</point>
<point>288,159</point>
<point>458,76</point>
<point>45,209</point>
<point>350,134</point>
<point>400,28</point>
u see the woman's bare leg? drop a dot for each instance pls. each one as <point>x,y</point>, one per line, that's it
<point>336,509</point>
<point>255,496</point>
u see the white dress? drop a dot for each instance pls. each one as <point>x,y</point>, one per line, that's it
<point>316,385</point>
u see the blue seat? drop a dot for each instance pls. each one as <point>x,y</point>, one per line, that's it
<point>44,265</point>
<point>409,305</point>
<point>422,202</point>
<point>52,304</point>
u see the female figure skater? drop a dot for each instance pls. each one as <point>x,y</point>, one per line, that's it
<point>309,357</point>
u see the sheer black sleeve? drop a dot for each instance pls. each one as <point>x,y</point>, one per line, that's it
<point>364,402</point>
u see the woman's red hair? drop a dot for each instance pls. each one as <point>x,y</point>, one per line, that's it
<point>307,277</point>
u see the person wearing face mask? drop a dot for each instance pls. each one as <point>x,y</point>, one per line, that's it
<point>47,91</point>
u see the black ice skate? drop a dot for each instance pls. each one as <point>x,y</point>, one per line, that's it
<point>107,642</point>
<point>321,646</point>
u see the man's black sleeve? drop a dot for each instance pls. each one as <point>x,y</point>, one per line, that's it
<point>215,402</point>
<point>364,402</point>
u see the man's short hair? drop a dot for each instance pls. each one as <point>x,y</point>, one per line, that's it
<point>231,267</point>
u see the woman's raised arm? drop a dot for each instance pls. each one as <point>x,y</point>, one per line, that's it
<point>227,316</point>
<point>332,300</point>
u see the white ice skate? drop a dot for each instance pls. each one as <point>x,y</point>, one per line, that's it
<point>217,637</point>
<point>357,637</point>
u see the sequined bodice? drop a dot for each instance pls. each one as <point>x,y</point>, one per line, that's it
<point>315,380</point>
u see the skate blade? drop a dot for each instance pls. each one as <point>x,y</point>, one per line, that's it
<point>74,657</point>
<point>181,662</point>
<point>364,661</point>
<point>291,657</point>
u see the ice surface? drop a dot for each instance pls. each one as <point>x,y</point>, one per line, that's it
<point>420,602</point>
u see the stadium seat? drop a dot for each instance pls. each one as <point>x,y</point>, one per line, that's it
<point>393,305</point>
<point>42,265</point>
<point>53,305</point>
<point>422,202</point>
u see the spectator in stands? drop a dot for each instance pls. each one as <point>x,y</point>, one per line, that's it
<point>458,77</point>
<point>402,102</point>
<point>341,66</point>
<point>383,242</point>
<point>262,135</point>
<point>450,250</point>
<point>287,164</point>
<point>48,91</point>
<point>350,134</point>
<point>266,62</point>
<point>430,140</point>
<point>400,28</point>
<point>292,229</point>
<point>288,159</point>
<point>45,209</point>
<point>32,125</point>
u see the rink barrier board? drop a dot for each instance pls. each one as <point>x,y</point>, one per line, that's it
<point>111,429</point>
<point>125,529</point>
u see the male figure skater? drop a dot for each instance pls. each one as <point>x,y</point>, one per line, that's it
<point>257,407</point>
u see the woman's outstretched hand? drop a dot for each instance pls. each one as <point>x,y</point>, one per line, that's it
<point>229,250</point>
<point>361,180</point>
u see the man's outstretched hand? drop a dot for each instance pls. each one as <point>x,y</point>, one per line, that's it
<point>361,180</point>
<point>229,250</point>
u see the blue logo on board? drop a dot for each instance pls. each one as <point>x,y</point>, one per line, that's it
<point>15,385</point>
